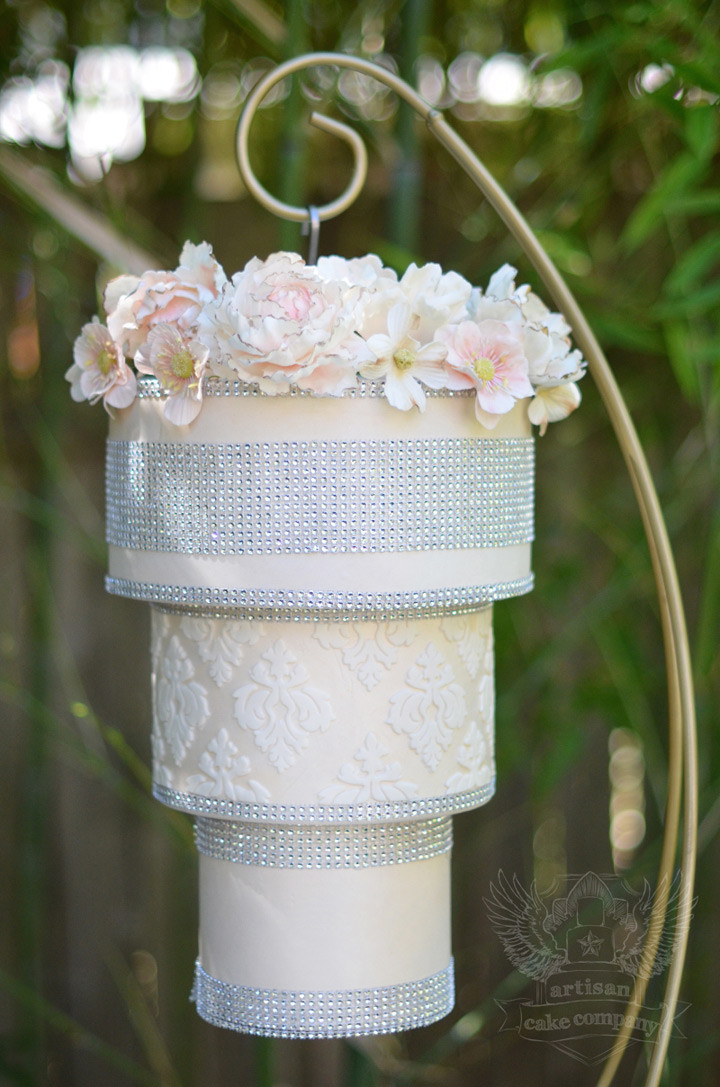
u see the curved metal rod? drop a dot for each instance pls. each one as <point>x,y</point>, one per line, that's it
<point>319,120</point>
<point>682,748</point>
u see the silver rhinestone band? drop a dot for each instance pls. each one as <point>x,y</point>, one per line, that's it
<point>281,1014</point>
<point>275,845</point>
<point>320,497</point>
<point>373,811</point>
<point>149,388</point>
<point>310,605</point>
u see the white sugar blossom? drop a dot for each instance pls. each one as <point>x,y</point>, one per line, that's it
<point>403,361</point>
<point>435,297</point>
<point>368,272</point>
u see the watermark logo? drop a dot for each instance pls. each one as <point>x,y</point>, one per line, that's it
<point>582,943</point>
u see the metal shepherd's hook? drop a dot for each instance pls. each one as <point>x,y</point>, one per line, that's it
<point>682,735</point>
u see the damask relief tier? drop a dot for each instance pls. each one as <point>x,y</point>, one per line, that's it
<point>320,505</point>
<point>325,722</point>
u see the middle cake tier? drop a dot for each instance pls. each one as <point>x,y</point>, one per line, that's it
<point>323,722</point>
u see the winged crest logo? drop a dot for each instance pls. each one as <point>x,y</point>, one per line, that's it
<point>582,943</point>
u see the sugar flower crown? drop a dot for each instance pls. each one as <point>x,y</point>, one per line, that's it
<point>281,323</point>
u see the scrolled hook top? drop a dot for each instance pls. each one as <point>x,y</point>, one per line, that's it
<point>318,120</point>
<point>337,128</point>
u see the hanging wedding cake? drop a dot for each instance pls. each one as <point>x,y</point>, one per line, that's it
<point>321,479</point>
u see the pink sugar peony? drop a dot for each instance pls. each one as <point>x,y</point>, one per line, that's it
<point>135,305</point>
<point>278,322</point>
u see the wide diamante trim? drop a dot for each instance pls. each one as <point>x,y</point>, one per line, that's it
<point>367,845</point>
<point>345,1013</point>
<point>309,497</point>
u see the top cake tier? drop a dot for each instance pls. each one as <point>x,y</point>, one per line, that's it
<point>330,440</point>
<point>301,506</point>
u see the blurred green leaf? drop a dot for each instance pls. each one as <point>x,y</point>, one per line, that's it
<point>78,1036</point>
<point>694,264</point>
<point>701,131</point>
<point>701,301</point>
<point>682,358</point>
<point>678,176</point>
<point>705,202</point>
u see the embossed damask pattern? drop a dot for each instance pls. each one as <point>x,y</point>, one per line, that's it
<point>221,647</point>
<point>429,706</point>
<point>284,715</point>
<point>369,777</point>
<point>280,707</point>
<point>181,704</point>
<point>225,772</point>
<point>368,649</point>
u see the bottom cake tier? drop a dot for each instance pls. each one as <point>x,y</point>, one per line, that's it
<point>324,932</point>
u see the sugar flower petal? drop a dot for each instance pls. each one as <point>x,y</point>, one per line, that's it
<point>553,403</point>
<point>179,363</point>
<point>99,371</point>
<point>490,355</point>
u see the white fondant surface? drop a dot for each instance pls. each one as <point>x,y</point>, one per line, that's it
<point>324,930</point>
<point>406,571</point>
<point>278,418</point>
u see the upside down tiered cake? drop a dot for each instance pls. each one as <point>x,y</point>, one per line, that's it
<point>322,480</point>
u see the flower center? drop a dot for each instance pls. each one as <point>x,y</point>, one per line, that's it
<point>404,358</point>
<point>182,364</point>
<point>484,368</point>
<point>294,301</point>
<point>104,361</point>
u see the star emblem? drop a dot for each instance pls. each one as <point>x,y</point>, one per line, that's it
<point>591,945</point>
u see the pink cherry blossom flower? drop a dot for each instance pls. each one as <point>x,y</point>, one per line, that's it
<point>134,305</point>
<point>178,363</point>
<point>545,335</point>
<point>487,356</point>
<point>553,403</point>
<point>99,371</point>
<point>403,361</point>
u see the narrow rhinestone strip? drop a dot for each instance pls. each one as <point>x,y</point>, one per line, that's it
<point>282,1014</point>
<point>310,605</point>
<point>273,845</point>
<point>320,497</point>
<point>149,388</point>
<point>372,811</point>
